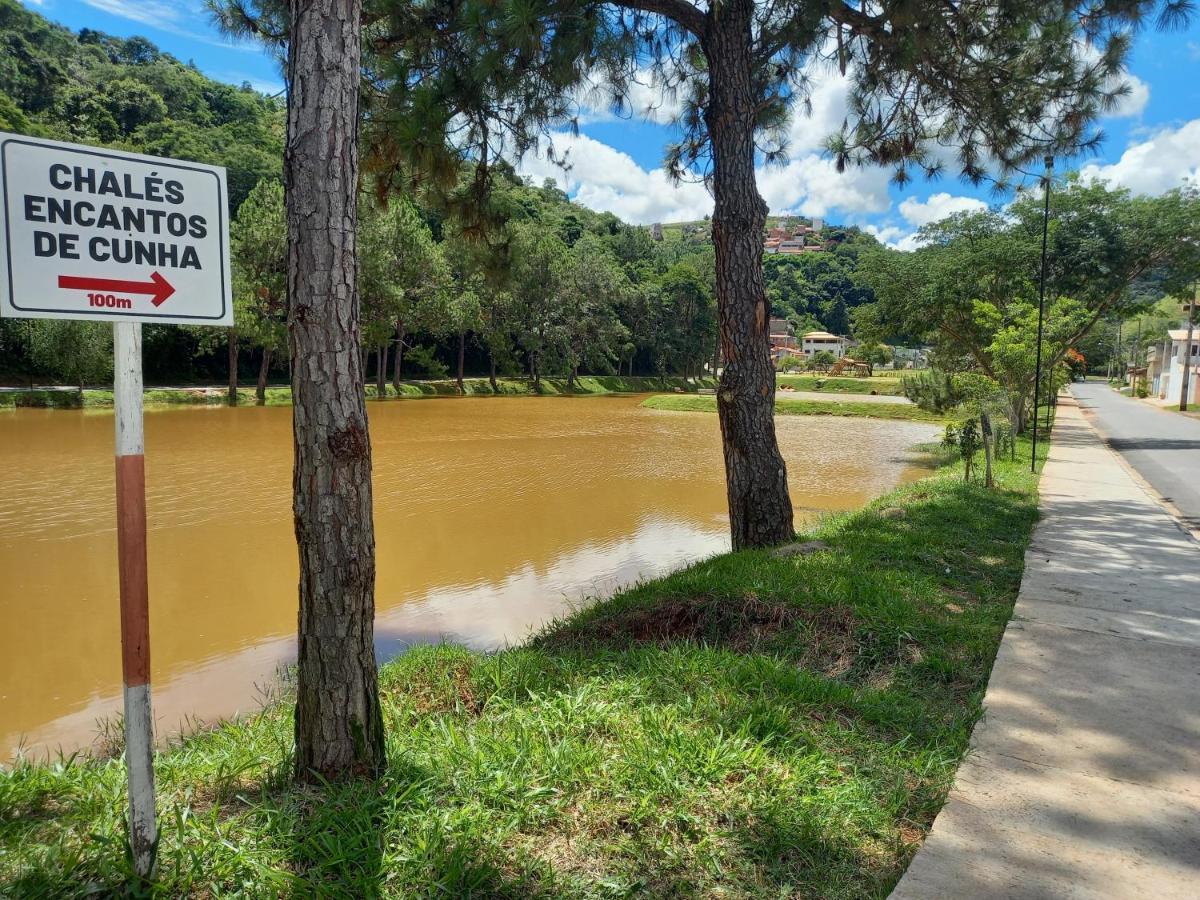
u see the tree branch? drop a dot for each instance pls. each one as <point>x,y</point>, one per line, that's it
<point>680,12</point>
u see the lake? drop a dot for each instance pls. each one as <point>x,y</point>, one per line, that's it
<point>492,516</point>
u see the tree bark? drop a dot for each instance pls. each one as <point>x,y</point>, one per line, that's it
<point>760,510</point>
<point>535,375</point>
<point>985,426</point>
<point>381,360</point>
<point>232,339</point>
<point>264,369</point>
<point>339,726</point>
<point>492,372</point>
<point>462,352</point>
<point>399,356</point>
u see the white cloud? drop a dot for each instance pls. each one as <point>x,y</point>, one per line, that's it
<point>1133,103</point>
<point>895,236</point>
<point>828,93</point>
<point>1166,160</point>
<point>185,18</point>
<point>936,207</point>
<point>808,184</point>
<point>812,186</point>
<point>605,179</point>
<point>159,13</point>
<point>646,100</point>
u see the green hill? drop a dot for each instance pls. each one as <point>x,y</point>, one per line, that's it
<point>94,88</point>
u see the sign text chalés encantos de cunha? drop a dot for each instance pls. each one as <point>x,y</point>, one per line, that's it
<point>100,234</point>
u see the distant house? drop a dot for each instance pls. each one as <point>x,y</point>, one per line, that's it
<point>793,238</point>
<point>1165,377</point>
<point>783,342</point>
<point>816,341</point>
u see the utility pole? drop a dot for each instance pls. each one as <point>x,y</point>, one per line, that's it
<point>1135,359</point>
<point>1037,378</point>
<point>1120,372</point>
<point>1186,386</point>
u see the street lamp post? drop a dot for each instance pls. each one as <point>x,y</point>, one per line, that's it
<point>1186,386</point>
<point>1037,379</point>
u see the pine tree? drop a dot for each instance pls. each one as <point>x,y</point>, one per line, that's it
<point>988,88</point>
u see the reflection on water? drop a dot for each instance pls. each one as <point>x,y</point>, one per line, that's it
<point>492,517</point>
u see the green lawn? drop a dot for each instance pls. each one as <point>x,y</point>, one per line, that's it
<point>789,407</point>
<point>751,726</point>
<point>876,385</point>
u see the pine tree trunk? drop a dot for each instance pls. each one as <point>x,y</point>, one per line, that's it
<point>232,338</point>
<point>760,510</point>
<point>399,356</point>
<point>462,352</point>
<point>492,372</point>
<point>264,369</point>
<point>339,726</point>
<point>381,361</point>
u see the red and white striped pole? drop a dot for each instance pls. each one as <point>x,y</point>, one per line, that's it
<point>135,594</point>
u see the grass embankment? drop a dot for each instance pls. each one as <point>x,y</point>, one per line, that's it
<point>752,726</point>
<point>875,385</point>
<point>789,407</point>
<point>282,396</point>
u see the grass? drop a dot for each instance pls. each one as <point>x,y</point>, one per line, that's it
<point>749,727</point>
<point>875,385</point>
<point>789,407</point>
<point>282,396</point>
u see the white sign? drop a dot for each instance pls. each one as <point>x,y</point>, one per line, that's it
<point>107,235</point>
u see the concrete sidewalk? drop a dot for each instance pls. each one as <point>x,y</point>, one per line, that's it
<point>1083,779</point>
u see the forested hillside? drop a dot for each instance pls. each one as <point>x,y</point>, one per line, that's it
<point>93,88</point>
<point>820,290</point>
<point>554,289</point>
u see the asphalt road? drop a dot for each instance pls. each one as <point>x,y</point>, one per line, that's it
<point>1163,446</point>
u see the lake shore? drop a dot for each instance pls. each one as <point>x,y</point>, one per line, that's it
<point>57,397</point>
<point>786,406</point>
<point>755,724</point>
<point>277,395</point>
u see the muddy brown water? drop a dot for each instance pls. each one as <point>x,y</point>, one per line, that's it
<point>492,517</point>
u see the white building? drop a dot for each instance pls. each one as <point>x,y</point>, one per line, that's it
<point>1168,384</point>
<point>816,341</point>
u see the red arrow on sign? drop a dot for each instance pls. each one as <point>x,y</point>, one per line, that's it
<point>157,286</point>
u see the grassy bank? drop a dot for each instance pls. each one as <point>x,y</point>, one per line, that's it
<point>876,385</point>
<point>752,726</point>
<point>282,396</point>
<point>789,407</point>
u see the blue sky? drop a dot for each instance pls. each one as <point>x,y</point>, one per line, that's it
<point>1152,145</point>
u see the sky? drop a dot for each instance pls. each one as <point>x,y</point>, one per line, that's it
<point>1152,141</point>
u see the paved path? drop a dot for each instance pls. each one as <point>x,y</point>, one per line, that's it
<point>831,397</point>
<point>1161,444</point>
<point>1084,776</point>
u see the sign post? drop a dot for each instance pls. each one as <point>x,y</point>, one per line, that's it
<point>99,235</point>
<point>135,591</point>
